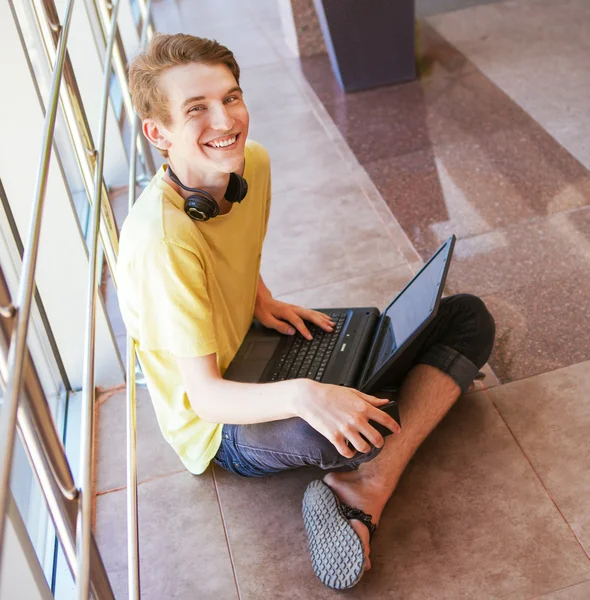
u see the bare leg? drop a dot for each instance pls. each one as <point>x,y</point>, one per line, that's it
<point>426,396</point>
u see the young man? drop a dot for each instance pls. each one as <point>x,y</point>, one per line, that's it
<point>189,287</point>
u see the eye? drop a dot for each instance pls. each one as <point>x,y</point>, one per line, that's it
<point>230,99</point>
<point>195,109</point>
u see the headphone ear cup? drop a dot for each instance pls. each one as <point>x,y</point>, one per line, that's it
<point>201,207</point>
<point>237,188</point>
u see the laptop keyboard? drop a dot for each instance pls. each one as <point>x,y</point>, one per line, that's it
<point>308,358</point>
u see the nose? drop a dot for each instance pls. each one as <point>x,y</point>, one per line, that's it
<point>221,119</point>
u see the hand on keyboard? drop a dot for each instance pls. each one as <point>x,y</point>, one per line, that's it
<point>288,318</point>
<point>308,358</point>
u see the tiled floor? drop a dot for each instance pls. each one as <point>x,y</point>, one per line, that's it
<point>425,8</point>
<point>492,506</point>
<point>453,153</point>
<point>495,504</point>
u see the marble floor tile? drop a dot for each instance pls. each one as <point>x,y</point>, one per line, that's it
<point>182,547</point>
<point>375,289</point>
<point>155,457</point>
<point>534,51</point>
<point>282,97</point>
<point>319,74</point>
<point>228,13</point>
<point>528,254</point>
<point>579,591</point>
<point>383,122</point>
<point>425,8</point>
<point>266,535</point>
<point>286,126</point>
<point>411,187</point>
<point>549,415</point>
<point>476,187</point>
<point>471,108</point>
<point>539,329</point>
<point>298,167</point>
<point>389,222</point>
<point>437,60</point>
<point>573,133</point>
<point>331,238</point>
<point>250,46</point>
<point>489,380</point>
<point>469,519</point>
<point>278,129</point>
<point>490,32</point>
<point>233,27</point>
<point>203,19</point>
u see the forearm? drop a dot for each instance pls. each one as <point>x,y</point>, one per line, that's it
<point>238,403</point>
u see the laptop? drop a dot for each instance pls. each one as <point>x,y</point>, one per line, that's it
<point>365,351</point>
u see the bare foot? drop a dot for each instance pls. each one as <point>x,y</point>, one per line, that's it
<point>352,490</point>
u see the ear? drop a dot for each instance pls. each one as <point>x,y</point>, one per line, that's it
<point>156,134</point>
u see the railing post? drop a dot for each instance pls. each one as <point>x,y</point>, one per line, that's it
<point>133,573</point>
<point>99,14</point>
<point>84,531</point>
<point>77,123</point>
<point>17,349</point>
<point>49,463</point>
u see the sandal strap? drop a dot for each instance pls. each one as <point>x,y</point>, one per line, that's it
<point>350,512</point>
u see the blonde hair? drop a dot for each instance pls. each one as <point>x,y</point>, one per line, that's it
<point>163,52</point>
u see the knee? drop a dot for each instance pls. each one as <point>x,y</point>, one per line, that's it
<point>327,455</point>
<point>331,459</point>
<point>475,315</point>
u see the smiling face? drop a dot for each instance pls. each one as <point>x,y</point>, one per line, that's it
<point>208,120</point>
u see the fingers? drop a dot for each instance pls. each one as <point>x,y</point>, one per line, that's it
<point>372,399</point>
<point>380,416</point>
<point>343,448</point>
<point>281,327</point>
<point>357,441</point>
<point>371,435</point>
<point>365,438</point>
<point>297,315</point>
<point>388,421</point>
<point>317,318</point>
<point>321,320</point>
<point>297,321</point>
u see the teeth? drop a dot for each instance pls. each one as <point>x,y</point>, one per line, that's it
<point>224,143</point>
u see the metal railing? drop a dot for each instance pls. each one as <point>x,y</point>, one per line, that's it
<point>131,403</point>
<point>84,528</point>
<point>99,12</point>
<point>48,460</point>
<point>46,16</point>
<point>25,407</point>
<point>17,349</point>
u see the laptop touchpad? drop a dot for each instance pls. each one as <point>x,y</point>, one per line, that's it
<point>261,349</point>
<point>252,358</point>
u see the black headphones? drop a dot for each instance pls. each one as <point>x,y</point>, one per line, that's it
<point>202,206</point>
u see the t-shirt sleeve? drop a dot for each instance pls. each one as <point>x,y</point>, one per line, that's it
<point>174,310</point>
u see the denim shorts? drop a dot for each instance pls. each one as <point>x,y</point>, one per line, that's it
<point>458,342</point>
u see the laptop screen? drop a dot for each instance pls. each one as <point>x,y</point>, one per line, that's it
<point>408,311</point>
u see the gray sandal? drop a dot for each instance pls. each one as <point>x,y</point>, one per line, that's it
<point>336,550</point>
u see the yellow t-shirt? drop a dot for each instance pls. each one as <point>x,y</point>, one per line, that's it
<point>188,289</point>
